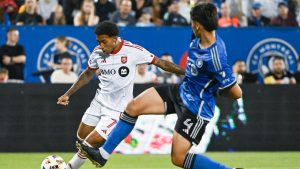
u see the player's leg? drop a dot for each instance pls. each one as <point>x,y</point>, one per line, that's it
<point>108,121</point>
<point>89,121</point>
<point>79,158</point>
<point>189,130</point>
<point>148,102</point>
<point>210,129</point>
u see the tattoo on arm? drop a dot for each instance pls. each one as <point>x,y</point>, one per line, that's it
<point>169,66</point>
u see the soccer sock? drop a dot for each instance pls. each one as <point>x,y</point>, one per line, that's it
<point>198,161</point>
<point>121,131</point>
<point>77,161</point>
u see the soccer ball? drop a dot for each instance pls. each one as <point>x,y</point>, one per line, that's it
<point>53,162</point>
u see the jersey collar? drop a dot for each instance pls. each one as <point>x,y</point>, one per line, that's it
<point>119,47</point>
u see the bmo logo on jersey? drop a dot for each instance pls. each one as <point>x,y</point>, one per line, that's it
<point>108,71</point>
<point>260,57</point>
<point>123,71</point>
<point>78,50</point>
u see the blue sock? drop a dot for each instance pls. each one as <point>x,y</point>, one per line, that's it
<point>121,131</point>
<point>198,161</point>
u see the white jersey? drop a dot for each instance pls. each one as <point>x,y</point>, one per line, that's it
<point>117,73</point>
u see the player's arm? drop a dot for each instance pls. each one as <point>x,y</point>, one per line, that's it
<point>168,66</point>
<point>83,79</point>
<point>233,92</point>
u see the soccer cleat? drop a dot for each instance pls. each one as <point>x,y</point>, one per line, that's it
<point>93,154</point>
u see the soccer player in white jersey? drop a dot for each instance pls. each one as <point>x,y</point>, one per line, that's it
<point>116,59</point>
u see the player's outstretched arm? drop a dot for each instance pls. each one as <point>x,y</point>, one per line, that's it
<point>83,79</point>
<point>233,92</point>
<point>168,66</point>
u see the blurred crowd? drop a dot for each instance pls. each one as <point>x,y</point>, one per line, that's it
<point>234,13</point>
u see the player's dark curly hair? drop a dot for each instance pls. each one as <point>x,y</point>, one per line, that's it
<point>206,14</point>
<point>107,28</point>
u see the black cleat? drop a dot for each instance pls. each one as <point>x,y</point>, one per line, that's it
<point>93,154</point>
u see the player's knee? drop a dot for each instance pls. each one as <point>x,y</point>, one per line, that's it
<point>132,109</point>
<point>177,159</point>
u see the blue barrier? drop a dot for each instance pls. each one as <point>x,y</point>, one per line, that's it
<point>253,45</point>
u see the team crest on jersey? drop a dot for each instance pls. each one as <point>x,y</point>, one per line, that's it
<point>260,57</point>
<point>124,59</point>
<point>77,49</point>
<point>199,63</point>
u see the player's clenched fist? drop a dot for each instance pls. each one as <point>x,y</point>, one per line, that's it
<point>63,100</point>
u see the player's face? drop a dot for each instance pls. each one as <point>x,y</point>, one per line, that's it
<point>107,43</point>
<point>195,27</point>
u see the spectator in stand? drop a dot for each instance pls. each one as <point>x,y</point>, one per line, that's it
<point>297,74</point>
<point>165,77</point>
<point>57,16</point>
<point>173,18</point>
<point>86,16</point>
<point>61,51</point>
<point>145,18</point>
<point>124,16</point>
<point>30,15</point>
<point>226,20</point>
<point>61,45</point>
<point>65,73</point>
<point>12,55</point>
<point>279,74</point>
<point>3,75</point>
<point>143,75</point>
<point>160,7</point>
<point>45,7</point>
<point>256,18</point>
<point>104,9</point>
<point>241,74</point>
<point>241,9</point>
<point>294,8</point>
<point>71,7</point>
<point>8,11</point>
<point>284,18</point>
<point>184,9</point>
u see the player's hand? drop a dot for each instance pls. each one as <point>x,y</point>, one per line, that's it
<point>63,100</point>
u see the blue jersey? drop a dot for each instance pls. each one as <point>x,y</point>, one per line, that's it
<point>207,71</point>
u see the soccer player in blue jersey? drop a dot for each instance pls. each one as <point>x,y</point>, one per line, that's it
<point>207,73</point>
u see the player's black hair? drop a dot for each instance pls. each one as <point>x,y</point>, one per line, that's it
<point>107,28</point>
<point>206,14</point>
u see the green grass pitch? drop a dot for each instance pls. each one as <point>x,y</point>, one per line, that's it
<point>247,160</point>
